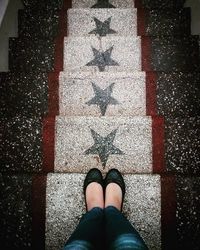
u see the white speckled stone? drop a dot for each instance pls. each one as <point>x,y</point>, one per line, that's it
<point>90,3</point>
<point>129,90</point>
<point>126,52</point>
<point>65,206</point>
<point>73,137</point>
<point>81,21</point>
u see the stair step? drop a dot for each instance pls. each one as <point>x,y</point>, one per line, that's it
<point>165,22</point>
<point>85,142</point>
<point>102,22</point>
<point>20,191</point>
<point>157,54</point>
<point>118,94</point>
<point>160,4</point>
<point>111,54</point>
<point>64,193</point>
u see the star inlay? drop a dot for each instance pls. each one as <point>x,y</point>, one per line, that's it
<point>103,4</point>
<point>102,28</point>
<point>103,97</point>
<point>102,59</point>
<point>103,146</point>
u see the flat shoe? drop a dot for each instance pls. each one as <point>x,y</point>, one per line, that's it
<point>94,175</point>
<point>114,176</point>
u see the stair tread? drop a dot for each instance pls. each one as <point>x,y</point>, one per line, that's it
<point>77,150</point>
<point>142,197</point>
<point>119,22</point>
<point>103,94</point>
<point>123,54</point>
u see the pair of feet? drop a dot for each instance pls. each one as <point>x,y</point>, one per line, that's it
<point>113,191</point>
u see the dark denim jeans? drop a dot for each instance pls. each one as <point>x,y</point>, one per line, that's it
<point>101,229</point>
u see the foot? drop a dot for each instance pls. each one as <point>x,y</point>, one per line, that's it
<point>113,196</point>
<point>94,196</point>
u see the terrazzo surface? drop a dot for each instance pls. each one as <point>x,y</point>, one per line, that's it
<point>182,145</point>
<point>16,212</point>
<point>45,4</point>
<point>160,4</point>
<point>123,143</point>
<point>188,213</point>
<point>105,94</point>
<point>63,191</point>
<point>166,22</point>
<point>31,55</point>
<point>23,94</point>
<point>100,22</point>
<point>23,99</point>
<point>108,54</point>
<point>38,24</point>
<point>178,94</point>
<point>20,147</point>
<point>174,54</point>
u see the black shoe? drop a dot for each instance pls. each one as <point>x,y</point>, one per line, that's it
<point>94,175</point>
<point>114,176</point>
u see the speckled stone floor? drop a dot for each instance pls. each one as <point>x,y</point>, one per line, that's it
<point>159,77</point>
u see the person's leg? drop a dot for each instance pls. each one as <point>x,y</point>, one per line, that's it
<point>120,234</point>
<point>89,232</point>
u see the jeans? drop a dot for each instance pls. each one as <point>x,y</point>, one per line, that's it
<point>101,229</point>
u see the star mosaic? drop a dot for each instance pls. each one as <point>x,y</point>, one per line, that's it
<point>103,146</point>
<point>102,59</point>
<point>103,98</point>
<point>103,28</point>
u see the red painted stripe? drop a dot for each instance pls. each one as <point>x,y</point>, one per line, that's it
<point>48,143</point>
<point>146,54</point>
<point>138,3</point>
<point>151,95</point>
<point>38,212</point>
<point>59,50</point>
<point>62,25</point>
<point>168,212</point>
<point>141,22</point>
<point>158,144</point>
<point>53,97</point>
<point>67,4</point>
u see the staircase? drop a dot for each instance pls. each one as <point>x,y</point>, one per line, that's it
<point>98,83</point>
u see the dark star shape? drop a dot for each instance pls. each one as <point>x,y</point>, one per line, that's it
<point>103,97</point>
<point>102,59</point>
<point>102,28</point>
<point>103,146</point>
<point>103,4</point>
